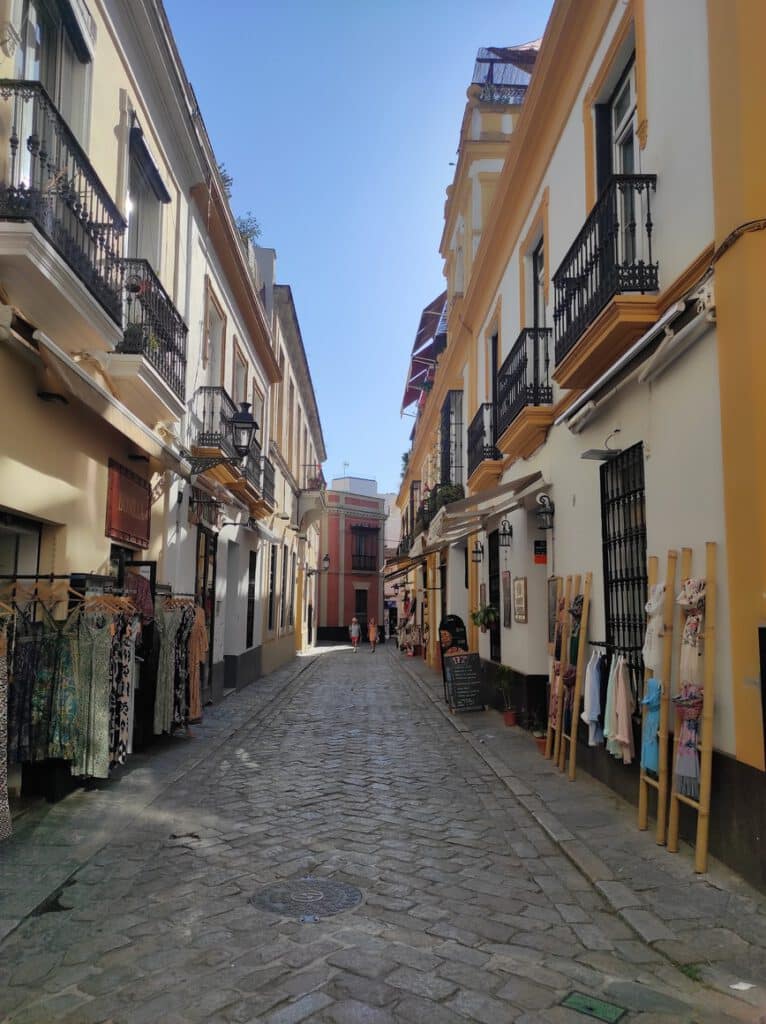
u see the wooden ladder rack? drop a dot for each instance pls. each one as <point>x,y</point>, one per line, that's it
<point>705,745</point>
<point>660,784</point>
<point>553,733</point>
<point>571,736</point>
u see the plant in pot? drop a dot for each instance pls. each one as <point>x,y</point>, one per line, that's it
<point>484,616</point>
<point>539,732</point>
<point>505,679</point>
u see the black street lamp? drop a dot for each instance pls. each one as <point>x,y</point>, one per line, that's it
<point>477,555</point>
<point>243,427</point>
<point>506,534</point>
<point>545,512</point>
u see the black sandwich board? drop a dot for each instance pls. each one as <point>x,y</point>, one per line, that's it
<point>452,638</point>
<point>462,681</point>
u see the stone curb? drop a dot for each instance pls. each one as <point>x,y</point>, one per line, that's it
<point>621,900</point>
<point>8,925</point>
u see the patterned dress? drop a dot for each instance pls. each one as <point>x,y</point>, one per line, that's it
<point>91,661</point>
<point>168,622</point>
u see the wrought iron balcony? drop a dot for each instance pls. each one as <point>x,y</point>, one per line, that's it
<point>364,563</point>
<point>267,487</point>
<point>612,254</point>
<point>153,326</point>
<point>251,466</point>
<point>313,478</point>
<point>49,181</point>
<point>212,413</point>
<point>523,378</point>
<point>404,545</point>
<point>481,437</point>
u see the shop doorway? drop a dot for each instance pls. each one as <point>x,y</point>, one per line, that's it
<point>19,545</point>
<point>310,623</point>
<point>204,590</point>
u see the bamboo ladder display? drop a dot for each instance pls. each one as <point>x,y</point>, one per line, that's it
<point>571,736</point>
<point>660,784</point>
<point>705,744</point>
<point>571,594</point>
<point>556,684</point>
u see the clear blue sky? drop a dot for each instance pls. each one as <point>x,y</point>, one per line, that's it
<point>338,122</point>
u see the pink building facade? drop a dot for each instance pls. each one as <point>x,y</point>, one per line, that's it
<point>352,533</point>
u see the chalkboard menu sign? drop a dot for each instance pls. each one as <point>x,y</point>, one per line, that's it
<point>462,674</point>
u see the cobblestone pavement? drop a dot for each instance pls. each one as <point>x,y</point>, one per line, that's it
<point>130,904</point>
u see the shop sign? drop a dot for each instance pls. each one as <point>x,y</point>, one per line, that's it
<point>128,506</point>
<point>541,552</point>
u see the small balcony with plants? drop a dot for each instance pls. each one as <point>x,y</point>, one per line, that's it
<point>312,498</point>
<point>525,394</point>
<point>60,230</point>
<point>149,363</point>
<point>211,416</point>
<point>605,286</point>
<point>484,459</point>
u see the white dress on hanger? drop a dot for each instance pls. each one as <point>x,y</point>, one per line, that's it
<point>592,702</point>
<point>652,649</point>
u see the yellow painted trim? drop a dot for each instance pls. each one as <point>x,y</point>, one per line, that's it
<point>632,18</point>
<point>572,36</point>
<point>737,85</point>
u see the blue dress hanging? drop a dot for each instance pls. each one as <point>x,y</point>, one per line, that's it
<point>649,740</point>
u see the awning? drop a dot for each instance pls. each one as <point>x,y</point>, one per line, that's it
<point>475,501</point>
<point>80,385</point>
<point>401,568</point>
<point>423,357</point>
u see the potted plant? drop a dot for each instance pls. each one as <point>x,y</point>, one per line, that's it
<point>539,733</point>
<point>505,679</point>
<point>484,616</point>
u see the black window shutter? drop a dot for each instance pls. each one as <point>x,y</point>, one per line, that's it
<point>603,145</point>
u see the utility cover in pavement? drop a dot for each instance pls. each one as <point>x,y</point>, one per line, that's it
<point>592,1007</point>
<point>307,897</point>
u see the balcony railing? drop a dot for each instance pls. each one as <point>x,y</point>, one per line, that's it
<point>364,563</point>
<point>153,326</point>
<point>313,478</point>
<point>404,545</point>
<point>47,179</point>
<point>523,378</point>
<point>612,254</point>
<point>212,412</point>
<point>481,437</point>
<point>267,489</point>
<point>251,466</point>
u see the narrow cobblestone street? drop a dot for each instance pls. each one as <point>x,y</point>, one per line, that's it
<point>130,904</point>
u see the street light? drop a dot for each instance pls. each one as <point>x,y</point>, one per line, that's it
<point>325,567</point>
<point>506,534</point>
<point>477,555</point>
<point>243,427</point>
<point>545,512</point>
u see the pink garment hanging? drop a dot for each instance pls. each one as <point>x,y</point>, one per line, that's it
<point>623,709</point>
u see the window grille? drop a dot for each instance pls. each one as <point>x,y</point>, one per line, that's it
<point>623,532</point>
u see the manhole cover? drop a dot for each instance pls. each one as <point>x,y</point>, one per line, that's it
<point>590,1006</point>
<point>307,898</point>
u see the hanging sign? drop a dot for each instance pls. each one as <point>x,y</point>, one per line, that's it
<point>541,552</point>
<point>128,506</point>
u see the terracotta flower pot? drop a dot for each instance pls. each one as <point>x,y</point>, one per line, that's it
<point>509,717</point>
<point>540,741</point>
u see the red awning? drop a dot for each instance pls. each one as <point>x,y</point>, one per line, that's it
<point>422,358</point>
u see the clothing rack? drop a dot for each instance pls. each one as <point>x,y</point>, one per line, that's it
<point>553,738</point>
<point>705,744</point>
<point>571,737</point>
<point>646,782</point>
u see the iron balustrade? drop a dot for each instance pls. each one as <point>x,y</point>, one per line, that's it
<point>364,563</point>
<point>451,439</point>
<point>251,466</point>
<point>313,478</point>
<point>268,480</point>
<point>612,254</point>
<point>48,180</point>
<point>481,437</point>
<point>212,413</point>
<point>404,545</point>
<point>523,378</point>
<point>153,326</point>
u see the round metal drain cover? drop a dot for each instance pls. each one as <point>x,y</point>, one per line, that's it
<point>307,898</point>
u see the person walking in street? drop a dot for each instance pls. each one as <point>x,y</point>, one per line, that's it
<point>355,632</point>
<point>372,634</point>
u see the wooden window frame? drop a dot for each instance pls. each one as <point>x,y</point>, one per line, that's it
<point>238,355</point>
<point>211,298</point>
